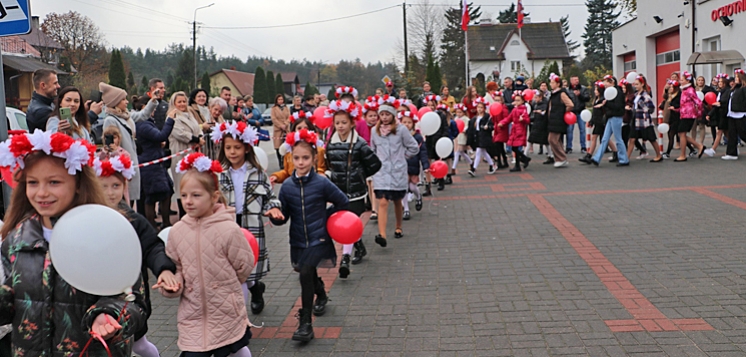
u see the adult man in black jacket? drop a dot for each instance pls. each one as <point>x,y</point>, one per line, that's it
<point>42,100</point>
<point>156,85</point>
<point>579,98</point>
<point>614,111</point>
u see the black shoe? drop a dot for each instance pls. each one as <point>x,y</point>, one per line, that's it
<point>491,170</point>
<point>304,333</point>
<point>568,151</point>
<point>586,159</point>
<point>373,216</point>
<point>449,180</point>
<point>699,156</point>
<point>517,168</point>
<point>418,204</point>
<point>541,150</point>
<point>621,165</point>
<point>319,307</point>
<point>525,160</point>
<point>257,297</point>
<point>550,161</point>
<point>407,215</point>
<point>502,166</point>
<point>472,172</point>
<point>381,241</point>
<point>428,192</point>
<point>344,272</point>
<point>594,162</point>
<point>441,185</point>
<point>360,252</point>
<point>398,233</point>
<point>583,151</point>
<point>615,158</point>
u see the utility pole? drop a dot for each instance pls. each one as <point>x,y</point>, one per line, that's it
<point>694,33</point>
<point>194,42</point>
<point>406,51</point>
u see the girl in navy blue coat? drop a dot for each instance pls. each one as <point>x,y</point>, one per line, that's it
<point>303,198</point>
<point>409,119</point>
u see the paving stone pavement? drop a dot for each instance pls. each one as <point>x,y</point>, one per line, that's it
<point>646,260</point>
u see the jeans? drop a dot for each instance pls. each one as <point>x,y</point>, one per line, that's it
<point>571,132</point>
<point>613,126</point>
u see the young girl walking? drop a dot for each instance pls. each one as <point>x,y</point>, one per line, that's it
<point>481,129</point>
<point>286,170</point>
<point>351,161</point>
<point>500,136</point>
<point>212,259</point>
<point>304,197</point>
<point>113,173</point>
<point>519,131</point>
<point>49,316</point>
<point>461,149</point>
<point>246,187</point>
<point>691,109</point>
<point>409,119</point>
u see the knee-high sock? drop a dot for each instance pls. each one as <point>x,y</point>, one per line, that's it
<point>415,190</point>
<point>244,352</point>
<point>347,249</point>
<point>145,348</point>
<point>405,204</point>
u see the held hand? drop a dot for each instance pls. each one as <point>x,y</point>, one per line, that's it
<point>500,125</point>
<point>206,126</point>
<point>716,104</point>
<point>201,141</point>
<point>167,281</point>
<point>627,107</point>
<point>97,107</point>
<point>275,213</point>
<point>105,326</point>
<point>272,179</point>
<point>64,125</point>
<point>708,118</point>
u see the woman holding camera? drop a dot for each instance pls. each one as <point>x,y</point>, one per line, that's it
<point>74,116</point>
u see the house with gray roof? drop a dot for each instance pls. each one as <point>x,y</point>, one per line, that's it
<point>502,50</point>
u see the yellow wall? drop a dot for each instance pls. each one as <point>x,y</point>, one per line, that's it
<point>25,90</point>
<point>220,80</point>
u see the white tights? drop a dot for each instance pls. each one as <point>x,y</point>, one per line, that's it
<point>461,153</point>
<point>482,154</point>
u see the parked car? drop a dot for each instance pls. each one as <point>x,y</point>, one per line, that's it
<point>267,116</point>
<point>16,119</point>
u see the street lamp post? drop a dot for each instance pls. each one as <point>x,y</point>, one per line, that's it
<point>194,42</point>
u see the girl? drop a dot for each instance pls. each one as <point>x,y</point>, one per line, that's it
<point>452,134</point>
<point>351,161</point>
<point>393,144</point>
<point>481,128</point>
<point>690,110</point>
<point>79,126</point>
<point>113,173</point>
<point>212,259</point>
<point>49,316</point>
<point>644,127</point>
<point>431,140</point>
<point>629,116</point>
<point>614,110</point>
<point>280,124</point>
<point>468,101</point>
<point>461,150</point>
<point>117,115</point>
<point>598,121</point>
<point>701,124</point>
<point>718,116</point>
<point>286,170</point>
<point>736,113</point>
<point>363,128</point>
<point>303,199</point>
<point>671,110</point>
<point>519,131</point>
<point>185,134</point>
<point>539,133</point>
<point>247,189</point>
<point>409,119</point>
<point>559,104</point>
<point>500,136</point>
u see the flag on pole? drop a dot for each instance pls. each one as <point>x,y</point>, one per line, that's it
<point>519,10</point>
<point>465,15</point>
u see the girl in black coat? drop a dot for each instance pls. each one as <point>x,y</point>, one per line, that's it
<point>114,184</point>
<point>718,116</point>
<point>482,127</point>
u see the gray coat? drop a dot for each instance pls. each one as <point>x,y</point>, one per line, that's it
<point>393,150</point>
<point>127,143</point>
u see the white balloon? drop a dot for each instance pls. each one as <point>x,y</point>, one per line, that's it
<point>528,109</point>
<point>700,95</point>
<point>586,115</point>
<point>163,234</point>
<point>631,77</point>
<point>610,93</point>
<point>430,123</point>
<point>261,156</point>
<point>663,128</point>
<point>444,147</point>
<point>96,250</point>
<point>283,150</point>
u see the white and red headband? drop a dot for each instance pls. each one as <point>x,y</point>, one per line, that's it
<point>389,100</point>
<point>121,163</point>
<point>460,107</point>
<point>300,115</point>
<point>555,78</point>
<point>686,75</point>
<point>479,100</point>
<point>345,90</point>
<point>238,130</point>
<point>77,153</point>
<point>342,106</point>
<point>302,135</point>
<point>431,98</point>
<point>199,162</point>
<point>408,114</point>
<point>442,107</point>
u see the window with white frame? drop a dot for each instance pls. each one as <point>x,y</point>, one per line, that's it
<point>667,57</point>
<point>515,66</point>
<point>630,66</point>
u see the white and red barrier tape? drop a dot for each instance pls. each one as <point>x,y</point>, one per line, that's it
<point>182,152</point>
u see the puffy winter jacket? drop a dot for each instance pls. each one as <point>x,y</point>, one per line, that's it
<point>501,134</point>
<point>350,163</point>
<point>519,131</point>
<point>38,112</point>
<point>303,201</point>
<point>212,259</point>
<point>50,317</point>
<point>691,105</point>
<point>414,162</point>
<point>393,151</point>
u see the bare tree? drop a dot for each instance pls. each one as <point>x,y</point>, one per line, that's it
<point>425,28</point>
<point>80,37</point>
<point>629,6</point>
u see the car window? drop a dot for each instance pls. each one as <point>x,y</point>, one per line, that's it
<point>21,118</point>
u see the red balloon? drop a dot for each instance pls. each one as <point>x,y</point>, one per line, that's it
<point>323,122</point>
<point>318,113</point>
<point>528,95</point>
<point>711,97</point>
<point>461,126</point>
<point>252,243</point>
<point>6,174</point>
<point>344,227</point>
<point>423,110</point>
<point>412,108</point>
<point>570,118</point>
<point>439,169</point>
<point>496,109</point>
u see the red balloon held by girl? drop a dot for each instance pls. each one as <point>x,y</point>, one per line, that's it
<point>344,227</point>
<point>323,122</point>
<point>528,95</point>
<point>439,169</point>
<point>423,110</point>
<point>412,108</point>
<point>318,113</point>
<point>461,126</point>
<point>711,98</point>
<point>252,243</point>
<point>495,109</point>
<point>570,118</point>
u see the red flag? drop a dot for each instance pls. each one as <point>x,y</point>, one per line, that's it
<point>464,15</point>
<point>519,10</point>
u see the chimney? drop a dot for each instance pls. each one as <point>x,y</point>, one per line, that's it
<point>233,68</point>
<point>35,23</point>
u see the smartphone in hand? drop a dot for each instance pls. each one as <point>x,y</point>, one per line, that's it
<point>108,140</point>
<point>66,114</point>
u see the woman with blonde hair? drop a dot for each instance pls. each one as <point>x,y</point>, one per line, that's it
<point>185,134</point>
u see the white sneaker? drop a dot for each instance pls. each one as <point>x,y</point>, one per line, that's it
<point>729,158</point>
<point>512,161</point>
<point>561,163</point>
<point>642,156</point>
<point>665,156</point>
<point>709,152</point>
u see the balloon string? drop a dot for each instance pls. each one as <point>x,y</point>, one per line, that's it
<point>98,337</point>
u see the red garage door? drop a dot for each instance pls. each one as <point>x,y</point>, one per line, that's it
<point>667,58</point>
<point>630,63</point>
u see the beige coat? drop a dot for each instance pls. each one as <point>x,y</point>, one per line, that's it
<point>280,119</point>
<point>185,127</point>
<point>212,259</point>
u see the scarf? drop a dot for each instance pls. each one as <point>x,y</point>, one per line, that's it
<point>385,129</point>
<point>125,116</point>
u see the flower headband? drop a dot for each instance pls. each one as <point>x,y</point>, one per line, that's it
<point>688,76</point>
<point>345,90</point>
<point>300,115</point>
<point>555,78</point>
<point>739,71</point>
<point>389,100</point>
<point>302,135</point>
<point>238,130</point>
<point>371,104</point>
<point>479,100</point>
<point>431,98</point>
<point>623,82</point>
<point>408,114</point>
<point>77,153</point>
<point>600,84</point>
<point>609,77</point>
<point>518,93</point>
<point>120,163</point>
<point>723,76</point>
<point>673,82</point>
<point>460,107</point>
<point>342,106</point>
<point>442,107</point>
<point>199,162</point>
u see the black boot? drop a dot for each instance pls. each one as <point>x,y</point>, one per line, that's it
<point>525,160</point>
<point>319,307</point>
<point>517,167</point>
<point>586,159</point>
<point>449,180</point>
<point>428,192</point>
<point>257,297</point>
<point>279,159</point>
<point>360,252</point>
<point>550,160</point>
<point>441,184</point>
<point>344,267</point>
<point>304,333</point>
<point>615,157</point>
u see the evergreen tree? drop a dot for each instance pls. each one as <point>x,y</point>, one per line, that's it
<point>509,15</point>
<point>571,45</point>
<point>545,72</point>
<point>452,57</point>
<point>130,80</point>
<point>597,37</point>
<point>261,96</point>
<point>280,85</point>
<point>331,94</point>
<point>433,75</point>
<point>144,83</point>
<point>117,77</point>
<point>271,92</point>
<point>169,79</point>
<point>185,68</point>
<point>205,83</point>
<point>310,89</point>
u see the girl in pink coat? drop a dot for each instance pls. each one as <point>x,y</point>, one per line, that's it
<point>212,259</point>
<point>690,110</point>
<point>500,136</point>
<point>517,140</point>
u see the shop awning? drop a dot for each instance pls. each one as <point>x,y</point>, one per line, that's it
<point>27,64</point>
<point>727,56</point>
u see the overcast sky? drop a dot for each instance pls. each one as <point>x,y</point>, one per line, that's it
<point>373,37</point>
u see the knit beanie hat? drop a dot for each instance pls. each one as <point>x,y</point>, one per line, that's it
<point>111,95</point>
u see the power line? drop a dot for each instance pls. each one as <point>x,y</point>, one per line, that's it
<point>120,12</point>
<point>494,5</point>
<point>298,24</point>
<point>150,10</point>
